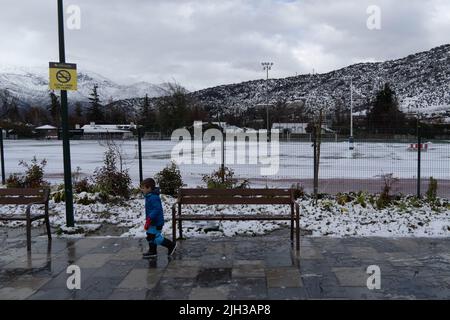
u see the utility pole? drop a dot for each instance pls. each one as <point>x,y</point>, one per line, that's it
<point>266,67</point>
<point>65,125</point>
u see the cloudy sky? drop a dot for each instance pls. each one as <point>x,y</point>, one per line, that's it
<point>203,43</point>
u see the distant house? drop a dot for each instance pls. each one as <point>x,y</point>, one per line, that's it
<point>290,128</point>
<point>114,131</point>
<point>47,132</point>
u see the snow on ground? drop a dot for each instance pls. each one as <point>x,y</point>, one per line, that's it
<point>367,161</point>
<point>327,218</point>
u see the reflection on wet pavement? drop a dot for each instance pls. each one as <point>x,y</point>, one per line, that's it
<point>262,267</point>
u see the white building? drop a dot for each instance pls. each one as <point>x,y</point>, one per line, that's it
<point>296,128</point>
<point>113,130</point>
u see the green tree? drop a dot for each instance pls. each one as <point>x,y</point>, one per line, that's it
<point>54,109</point>
<point>147,117</point>
<point>385,116</point>
<point>95,113</point>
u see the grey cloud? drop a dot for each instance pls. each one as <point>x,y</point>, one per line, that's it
<point>202,43</point>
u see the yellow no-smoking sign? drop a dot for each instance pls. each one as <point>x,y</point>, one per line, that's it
<point>63,76</point>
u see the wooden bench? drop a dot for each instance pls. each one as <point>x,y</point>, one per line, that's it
<point>27,197</point>
<point>237,197</point>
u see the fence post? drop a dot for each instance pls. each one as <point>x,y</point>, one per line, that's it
<point>2,156</point>
<point>316,182</point>
<point>419,156</point>
<point>141,176</point>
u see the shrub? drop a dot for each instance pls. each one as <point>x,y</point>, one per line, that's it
<point>169,179</point>
<point>361,199</point>
<point>299,191</point>
<point>343,198</point>
<point>224,179</point>
<point>384,199</point>
<point>33,178</point>
<point>432,190</point>
<point>111,181</point>
<point>83,185</point>
<point>15,181</point>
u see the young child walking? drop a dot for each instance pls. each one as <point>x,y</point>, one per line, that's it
<point>154,220</point>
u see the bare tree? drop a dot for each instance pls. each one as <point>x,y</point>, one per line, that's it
<point>318,106</point>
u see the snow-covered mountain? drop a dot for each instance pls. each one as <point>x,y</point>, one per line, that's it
<point>30,87</point>
<point>420,80</point>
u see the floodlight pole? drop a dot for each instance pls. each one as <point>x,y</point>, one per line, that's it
<point>65,125</point>
<point>267,66</point>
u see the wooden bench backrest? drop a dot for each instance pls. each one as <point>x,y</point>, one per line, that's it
<point>236,196</point>
<point>24,196</point>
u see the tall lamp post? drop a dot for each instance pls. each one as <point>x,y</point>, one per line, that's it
<point>267,66</point>
<point>419,150</point>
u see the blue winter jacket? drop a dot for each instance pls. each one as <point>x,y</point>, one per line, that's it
<point>154,209</point>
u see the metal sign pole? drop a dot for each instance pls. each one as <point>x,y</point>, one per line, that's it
<point>65,125</point>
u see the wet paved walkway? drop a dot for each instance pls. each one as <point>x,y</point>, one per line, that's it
<point>228,268</point>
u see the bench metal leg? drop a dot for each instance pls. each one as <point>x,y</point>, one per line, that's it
<point>292,223</point>
<point>28,233</point>
<point>174,225</point>
<point>297,227</point>
<point>47,224</point>
<point>180,225</point>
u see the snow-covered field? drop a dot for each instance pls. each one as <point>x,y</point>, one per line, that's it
<point>367,161</point>
<point>327,218</point>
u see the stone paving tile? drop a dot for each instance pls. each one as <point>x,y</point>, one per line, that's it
<point>248,289</point>
<point>310,253</point>
<point>185,272</point>
<point>94,260</point>
<point>214,293</point>
<point>141,279</point>
<point>108,246</point>
<point>56,294</point>
<point>351,277</point>
<point>124,294</point>
<point>283,278</point>
<point>171,289</point>
<point>287,293</point>
<point>36,260</point>
<point>402,259</point>
<point>83,246</point>
<point>9,293</point>
<point>213,277</point>
<point>248,271</point>
<point>216,261</point>
<point>27,281</point>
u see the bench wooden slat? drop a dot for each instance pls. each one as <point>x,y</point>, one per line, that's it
<point>24,192</point>
<point>21,200</point>
<point>234,217</point>
<point>235,192</point>
<point>236,201</point>
<point>13,218</point>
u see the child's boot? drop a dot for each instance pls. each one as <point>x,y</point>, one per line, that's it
<point>152,252</point>
<point>171,247</point>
